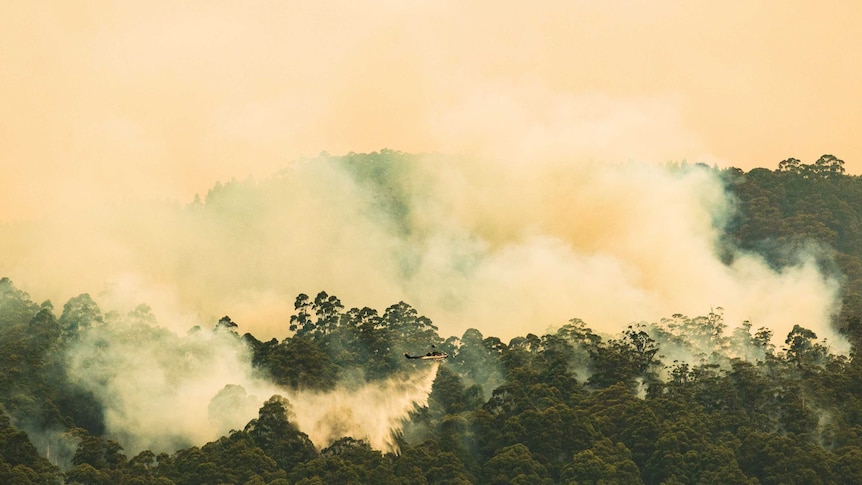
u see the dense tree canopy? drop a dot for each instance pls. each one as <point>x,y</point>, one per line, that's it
<point>570,406</point>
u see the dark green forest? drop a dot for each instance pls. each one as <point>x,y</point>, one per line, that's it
<point>689,399</point>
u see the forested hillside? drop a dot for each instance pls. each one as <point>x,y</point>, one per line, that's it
<point>799,206</point>
<point>686,399</point>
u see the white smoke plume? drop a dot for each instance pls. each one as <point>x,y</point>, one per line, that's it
<point>157,389</point>
<point>163,392</point>
<point>373,411</point>
<point>506,246</point>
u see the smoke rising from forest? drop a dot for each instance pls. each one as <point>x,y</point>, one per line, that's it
<point>372,411</point>
<point>509,248</point>
<point>506,246</point>
<point>163,392</point>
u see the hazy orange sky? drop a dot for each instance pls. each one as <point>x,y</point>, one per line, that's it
<point>104,101</point>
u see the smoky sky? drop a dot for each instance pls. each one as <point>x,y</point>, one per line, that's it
<point>105,101</point>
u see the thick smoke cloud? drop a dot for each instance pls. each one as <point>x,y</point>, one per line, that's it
<point>157,389</point>
<point>372,411</point>
<point>508,247</point>
<point>163,392</point>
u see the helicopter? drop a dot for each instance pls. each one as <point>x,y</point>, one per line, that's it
<point>433,355</point>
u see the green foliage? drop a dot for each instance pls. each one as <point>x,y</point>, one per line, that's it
<point>80,313</point>
<point>276,436</point>
<point>562,407</point>
<point>626,360</point>
<point>803,206</point>
<point>429,463</point>
<point>345,461</point>
<point>777,459</point>
<point>604,462</point>
<point>330,343</point>
<point>515,464</point>
<point>802,347</point>
<point>569,406</point>
<point>299,363</point>
<point>19,460</point>
<point>33,379</point>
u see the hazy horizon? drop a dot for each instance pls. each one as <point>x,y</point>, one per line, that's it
<point>109,102</point>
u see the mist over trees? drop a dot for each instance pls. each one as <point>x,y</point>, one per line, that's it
<point>803,207</point>
<point>685,399</point>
